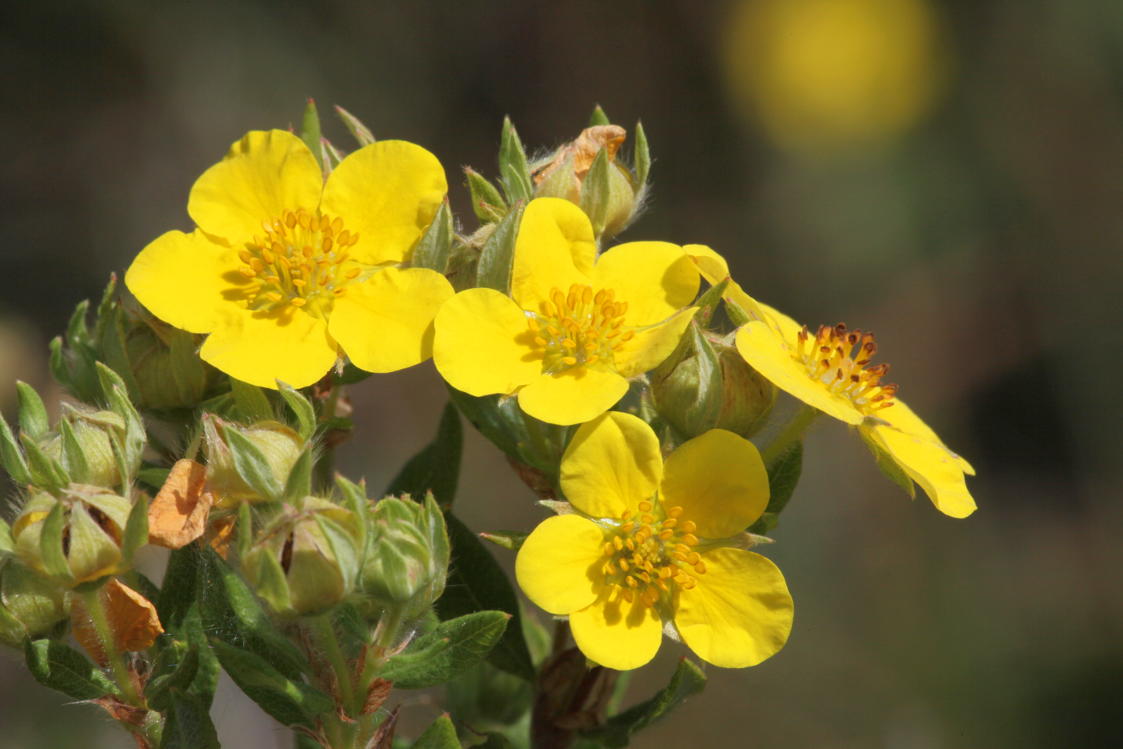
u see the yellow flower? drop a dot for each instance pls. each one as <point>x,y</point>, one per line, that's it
<point>831,370</point>
<point>654,544</point>
<point>286,271</point>
<point>575,327</point>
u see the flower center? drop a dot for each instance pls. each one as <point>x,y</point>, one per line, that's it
<point>301,261</point>
<point>646,554</point>
<point>579,328</point>
<point>838,358</point>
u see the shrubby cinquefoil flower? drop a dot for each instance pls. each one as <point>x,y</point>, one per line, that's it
<point>654,543</point>
<point>286,271</point>
<point>575,327</point>
<point>831,370</point>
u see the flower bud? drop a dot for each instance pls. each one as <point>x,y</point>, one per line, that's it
<point>30,604</point>
<point>609,197</point>
<point>278,445</point>
<point>167,371</point>
<point>307,560</point>
<point>88,433</point>
<point>75,538</point>
<point>407,555</point>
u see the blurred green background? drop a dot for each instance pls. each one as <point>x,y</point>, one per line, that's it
<point>946,174</point>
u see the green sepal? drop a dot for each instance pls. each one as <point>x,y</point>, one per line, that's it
<point>354,125</point>
<point>270,582</point>
<point>251,402</point>
<point>687,387</point>
<point>251,464</point>
<point>153,477</point>
<point>783,476</point>
<point>889,467</point>
<point>598,117</point>
<point>509,540</point>
<point>301,408</point>
<point>310,130</point>
<point>117,397</point>
<point>514,174</point>
<point>476,582</point>
<point>436,467</point>
<point>46,472</point>
<point>6,542</point>
<point>497,257</point>
<point>32,413</point>
<point>50,543</point>
<point>11,456</point>
<point>73,458</point>
<point>290,702</point>
<point>687,680</point>
<point>708,302</point>
<point>433,249</point>
<point>64,669</point>
<point>355,500</point>
<point>344,547</point>
<point>299,483</point>
<point>187,723</point>
<point>441,734</point>
<point>331,155</point>
<point>736,315</point>
<point>642,157</point>
<point>595,192</point>
<point>136,529</point>
<point>243,530</point>
<point>488,205</point>
<point>444,652</point>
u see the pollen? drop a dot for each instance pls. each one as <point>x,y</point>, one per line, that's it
<point>644,560</point>
<point>579,327</point>
<point>301,262</point>
<point>839,359</point>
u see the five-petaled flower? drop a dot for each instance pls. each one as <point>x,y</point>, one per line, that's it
<point>830,370</point>
<point>575,326</point>
<point>286,271</point>
<point>654,544</point>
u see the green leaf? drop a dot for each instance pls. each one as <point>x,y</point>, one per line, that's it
<point>232,614</point>
<point>437,467</point>
<point>783,476</point>
<point>136,528</point>
<point>598,117</point>
<point>441,734</point>
<point>66,670</point>
<point>514,174</point>
<point>617,731</point>
<point>11,456</point>
<point>299,484</point>
<point>435,244</point>
<point>642,157</point>
<point>46,472</point>
<point>354,125</point>
<point>187,723</point>
<point>251,464</point>
<point>595,191</point>
<point>310,129</point>
<point>301,408</point>
<point>488,204</point>
<point>175,668</point>
<point>498,254</point>
<point>446,651</point>
<point>251,402</point>
<point>180,586</point>
<point>476,582</point>
<point>290,702</point>
<point>32,413</point>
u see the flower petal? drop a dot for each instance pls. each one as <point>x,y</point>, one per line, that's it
<point>482,344</point>
<point>388,192</point>
<point>711,265</point>
<point>656,279</point>
<point>554,249</point>
<point>719,481</point>
<point>558,566</point>
<point>181,278</point>
<point>905,419</point>
<point>385,323</point>
<point>611,464</point>
<point>263,174</point>
<point>573,396</point>
<point>768,353</point>
<point>260,348</point>
<point>650,346</point>
<point>714,269</point>
<point>739,613</point>
<point>929,464</point>
<point>617,634</point>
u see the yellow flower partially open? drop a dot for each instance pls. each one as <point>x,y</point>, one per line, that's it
<point>286,272</point>
<point>575,327</point>
<point>652,544</point>
<point>831,370</point>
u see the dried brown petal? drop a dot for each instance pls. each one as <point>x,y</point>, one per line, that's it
<point>132,620</point>
<point>178,514</point>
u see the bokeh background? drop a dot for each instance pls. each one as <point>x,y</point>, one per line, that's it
<point>946,173</point>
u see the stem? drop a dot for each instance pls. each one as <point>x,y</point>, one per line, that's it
<point>324,632</point>
<point>96,609</point>
<point>792,432</point>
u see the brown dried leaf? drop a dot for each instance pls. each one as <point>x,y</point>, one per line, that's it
<point>376,695</point>
<point>122,712</point>
<point>383,738</point>
<point>132,620</point>
<point>222,533</point>
<point>178,514</point>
